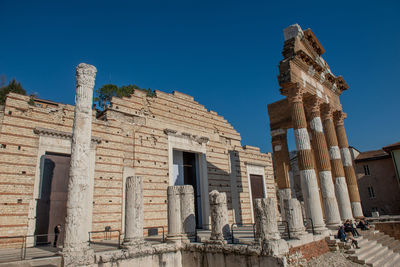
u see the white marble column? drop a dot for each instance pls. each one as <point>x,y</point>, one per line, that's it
<point>305,158</point>
<point>267,232</point>
<point>187,211</point>
<point>133,211</point>
<point>174,214</point>
<point>76,248</point>
<point>220,229</point>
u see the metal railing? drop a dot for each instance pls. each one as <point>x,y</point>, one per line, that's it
<point>158,227</point>
<point>23,244</point>
<point>107,235</point>
<point>242,224</point>
<point>312,224</point>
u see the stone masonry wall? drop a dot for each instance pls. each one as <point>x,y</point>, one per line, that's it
<point>133,142</point>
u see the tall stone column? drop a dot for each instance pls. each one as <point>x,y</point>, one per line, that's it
<point>220,230</point>
<point>187,211</point>
<point>322,161</point>
<point>348,165</point>
<point>76,248</point>
<point>305,157</point>
<point>267,232</point>
<point>174,214</point>
<point>342,194</point>
<point>294,217</point>
<point>133,211</point>
<point>284,176</point>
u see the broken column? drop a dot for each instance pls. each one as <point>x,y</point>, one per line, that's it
<point>294,217</point>
<point>174,214</point>
<point>187,211</point>
<point>76,247</point>
<point>267,232</point>
<point>133,211</point>
<point>220,230</point>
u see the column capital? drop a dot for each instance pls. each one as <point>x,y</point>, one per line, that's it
<point>312,104</point>
<point>326,112</point>
<point>294,93</point>
<point>339,117</point>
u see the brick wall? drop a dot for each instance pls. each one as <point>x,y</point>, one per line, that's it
<point>310,250</point>
<point>389,228</point>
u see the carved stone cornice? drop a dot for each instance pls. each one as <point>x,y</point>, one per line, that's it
<point>59,134</point>
<point>198,139</point>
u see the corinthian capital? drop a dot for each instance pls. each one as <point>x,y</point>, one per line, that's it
<point>293,92</point>
<point>326,112</point>
<point>312,103</point>
<point>339,117</point>
<point>85,75</point>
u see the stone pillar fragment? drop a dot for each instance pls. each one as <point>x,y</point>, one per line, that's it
<point>187,211</point>
<point>305,157</point>
<point>133,211</point>
<point>332,214</point>
<point>342,194</point>
<point>348,165</point>
<point>267,232</point>
<point>220,230</point>
<point>76,248</point>
<point>174,214</point>
<point>294,217</point>
<point>282,166</point>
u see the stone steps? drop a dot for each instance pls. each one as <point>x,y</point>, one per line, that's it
<point>376,250</point>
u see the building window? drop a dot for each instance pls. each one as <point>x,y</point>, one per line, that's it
<point>371,192</point>
<point>366,170</point>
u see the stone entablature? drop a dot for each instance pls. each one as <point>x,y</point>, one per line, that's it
<point>131,139</point>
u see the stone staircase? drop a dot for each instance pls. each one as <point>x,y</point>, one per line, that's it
<point>376,249</point>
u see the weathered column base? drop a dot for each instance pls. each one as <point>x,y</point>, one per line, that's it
<point>357,210</point>
<point>294,218</point>
<point>274,247</point>
<point>177,239</point>
<point>132,242</point>
<point>83,257</point>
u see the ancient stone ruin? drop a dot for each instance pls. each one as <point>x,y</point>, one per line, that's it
<point>168,165</point>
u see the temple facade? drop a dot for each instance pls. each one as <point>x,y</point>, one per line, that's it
<point>167,140</point>
<point>312,108</point>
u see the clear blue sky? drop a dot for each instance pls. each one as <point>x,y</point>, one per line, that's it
<point>224,53</point>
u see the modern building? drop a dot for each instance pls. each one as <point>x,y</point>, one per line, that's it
<point>378,182</point>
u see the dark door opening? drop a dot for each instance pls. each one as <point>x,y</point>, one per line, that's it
<point>51,207</point>
<point>186,172</point>
<point>257,186</point>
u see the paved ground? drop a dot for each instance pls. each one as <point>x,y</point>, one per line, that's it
<point>331,259</point>
<point>14,254</point>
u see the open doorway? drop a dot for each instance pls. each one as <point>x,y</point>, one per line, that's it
<point>186,172</point>
<point>51,206</point>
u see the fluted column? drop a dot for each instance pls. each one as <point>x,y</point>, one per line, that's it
<point>332,215</point>
<point>282,170</point>
<point>348,165</point>
<point>174,214</point>
<point>76,247</point>
<point>342,193</point>
<point>305,158</point>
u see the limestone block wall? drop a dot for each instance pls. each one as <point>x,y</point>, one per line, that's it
<point>134,141</point>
